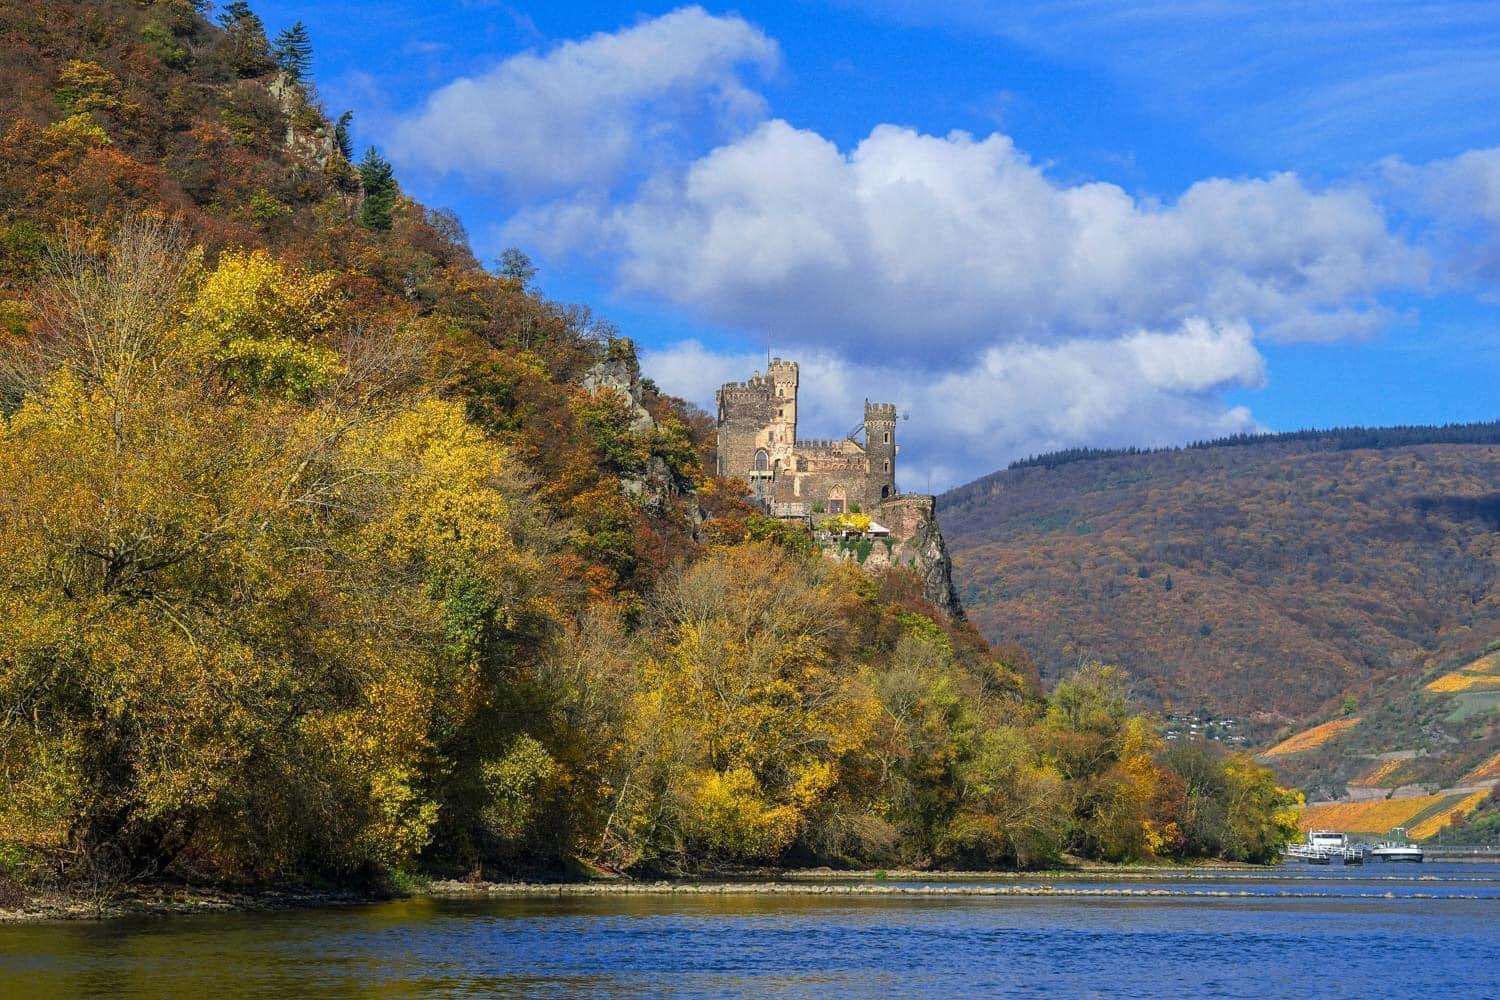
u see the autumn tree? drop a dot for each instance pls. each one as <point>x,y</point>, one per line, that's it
<point>240,623</point>
<point>742,718</point>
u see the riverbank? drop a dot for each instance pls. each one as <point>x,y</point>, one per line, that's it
<point>163,899</point>
<point>170,900</point>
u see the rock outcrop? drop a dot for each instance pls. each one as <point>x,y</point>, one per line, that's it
<point>916,543</point>
<point>656,486</point>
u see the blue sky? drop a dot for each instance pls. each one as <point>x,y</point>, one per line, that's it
<point>1031,225</point>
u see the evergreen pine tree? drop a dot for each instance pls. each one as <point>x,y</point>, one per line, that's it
<point>379,182</point>
<point>234,13</point>
<point>293,52</point>
<point>341,135</point>
<point>244,44</point>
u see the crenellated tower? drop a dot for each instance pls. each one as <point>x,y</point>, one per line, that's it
<point>782,436</point>
<point>815,481</point>
<point>880,448</point>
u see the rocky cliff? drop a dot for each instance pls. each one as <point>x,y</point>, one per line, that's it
<point>916,543</point>
<point>656,486</point>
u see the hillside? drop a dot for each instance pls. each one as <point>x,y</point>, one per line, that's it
<point>333,555</point>
<point>1270,579</point>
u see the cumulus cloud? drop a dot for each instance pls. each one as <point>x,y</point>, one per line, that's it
<point>1021,398</point>
<point>937,246</point>
<point>1009,311</point>
<point>578,115</point>
<point>1460,199</point>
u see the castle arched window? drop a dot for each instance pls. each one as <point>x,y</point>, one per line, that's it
<point>762,460</point>
<point>885,491</point>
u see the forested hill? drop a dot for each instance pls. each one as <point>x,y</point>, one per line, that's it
<point>1274,575</point>
<point>331,553</point>
<point>1335,438</point>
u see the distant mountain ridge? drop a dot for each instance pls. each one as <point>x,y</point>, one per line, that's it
<point>1272,575</point>
<point>1335,438</point>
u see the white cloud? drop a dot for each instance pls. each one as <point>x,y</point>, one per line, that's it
<point>1011,312</point>
<point>1460,199</point>
<point>936,247</point>
<point>584,112</point>
<point>1017,399</point>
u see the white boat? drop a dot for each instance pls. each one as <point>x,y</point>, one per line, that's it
<point>1322,846</point>
<point>1399,849</point>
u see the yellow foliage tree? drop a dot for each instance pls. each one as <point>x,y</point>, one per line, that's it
<point>744,715</point>
<point>248,628</point>
<point>263,322</point>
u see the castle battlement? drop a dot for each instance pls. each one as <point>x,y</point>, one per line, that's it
<point>754,385</point>
<point>825,444</point>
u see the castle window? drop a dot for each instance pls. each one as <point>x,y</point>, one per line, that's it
<point>762,460</point>
<point>887,465</point>
<point>887,437</point>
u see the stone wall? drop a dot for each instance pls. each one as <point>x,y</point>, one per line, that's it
<point>744,414</point>
<point>759,417</point>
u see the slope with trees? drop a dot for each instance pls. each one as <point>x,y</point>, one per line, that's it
<point>332,554</point>
<point>1281,577</point>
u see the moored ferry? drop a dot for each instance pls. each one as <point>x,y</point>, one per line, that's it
<point>1322,846</point>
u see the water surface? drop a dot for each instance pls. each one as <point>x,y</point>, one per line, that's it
<point>1379,931</point>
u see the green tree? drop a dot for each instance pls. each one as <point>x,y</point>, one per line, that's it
<point>341,137</point>
<point>379,182</point>
<point>293,52</point>
<point>514,264</point>
<point>244,41</point>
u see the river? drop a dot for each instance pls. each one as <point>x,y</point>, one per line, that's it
<point>1429,931</point>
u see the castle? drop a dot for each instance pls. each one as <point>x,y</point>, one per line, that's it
<point>795,478</point>
<point>807,479</point>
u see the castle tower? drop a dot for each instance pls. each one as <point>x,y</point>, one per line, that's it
<point>782,432</point>
<point>745,410</point>
<point>880,448</point>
